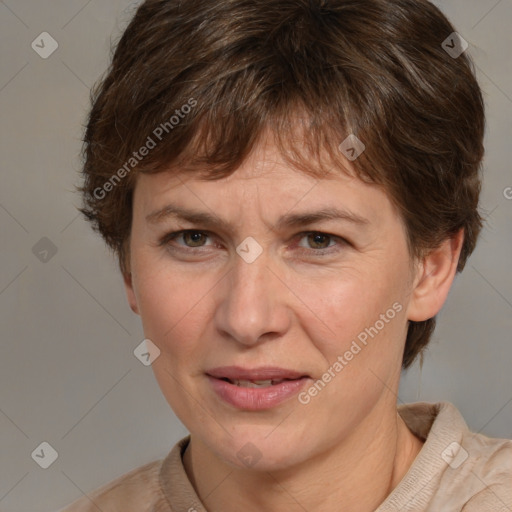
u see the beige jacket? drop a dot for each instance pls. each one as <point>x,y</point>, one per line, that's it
<point>456,470</point>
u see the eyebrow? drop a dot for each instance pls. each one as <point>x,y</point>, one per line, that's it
<point>289,220</point>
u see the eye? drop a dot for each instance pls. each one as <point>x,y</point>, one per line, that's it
<point>196,238</point>
<point>319,242</point>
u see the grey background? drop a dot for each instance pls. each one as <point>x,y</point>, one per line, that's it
<point>67,369</point>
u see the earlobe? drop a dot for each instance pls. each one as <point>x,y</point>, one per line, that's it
<point>434,279</point>
<point>130,292</point>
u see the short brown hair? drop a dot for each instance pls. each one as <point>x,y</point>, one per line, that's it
<point>373,68</point>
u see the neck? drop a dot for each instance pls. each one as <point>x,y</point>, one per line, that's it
<point>354,476</point>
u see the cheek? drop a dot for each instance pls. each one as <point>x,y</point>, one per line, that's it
<point>173,317</point>
<point>173,307</point>
<point>353,308</point>
<point>363,327</point>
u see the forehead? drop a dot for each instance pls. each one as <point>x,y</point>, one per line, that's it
<point>265,164</point>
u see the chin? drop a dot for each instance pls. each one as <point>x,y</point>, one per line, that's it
<point>261,448</point>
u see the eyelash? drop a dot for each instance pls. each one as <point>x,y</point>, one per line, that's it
<point>166,239</point>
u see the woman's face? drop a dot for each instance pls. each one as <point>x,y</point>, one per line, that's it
<point>326,299</point>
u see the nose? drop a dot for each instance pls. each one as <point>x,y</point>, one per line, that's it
<point>253,302</point>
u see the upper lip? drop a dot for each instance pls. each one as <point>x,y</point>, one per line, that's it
<point>260,373</point>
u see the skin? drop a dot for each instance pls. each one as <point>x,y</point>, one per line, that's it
<point>204,306</point>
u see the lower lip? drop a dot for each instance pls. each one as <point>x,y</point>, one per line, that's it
<point>256,399</point>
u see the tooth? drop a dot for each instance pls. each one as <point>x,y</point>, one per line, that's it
<point>253,384</point>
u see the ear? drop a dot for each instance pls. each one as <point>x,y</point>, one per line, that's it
<point>130,292</point>
<point>434,279</point>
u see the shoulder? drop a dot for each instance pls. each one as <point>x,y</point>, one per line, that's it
<point>489,466</point>
<point>148,488</point>
<point>136,490</point>
<point>456,468</point>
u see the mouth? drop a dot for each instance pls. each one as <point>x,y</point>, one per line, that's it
<point>261,376</point>
<point>244,383</point>
<point>256,389</point>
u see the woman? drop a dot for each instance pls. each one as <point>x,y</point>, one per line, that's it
<point>291,187</point>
